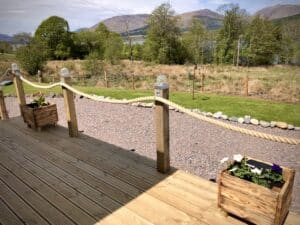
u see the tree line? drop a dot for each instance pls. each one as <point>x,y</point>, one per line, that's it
<point>241,41</point>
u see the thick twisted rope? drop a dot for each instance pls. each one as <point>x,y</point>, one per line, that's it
<point>253,133</point>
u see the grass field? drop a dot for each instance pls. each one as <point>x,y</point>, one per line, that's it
<point>231,105</point>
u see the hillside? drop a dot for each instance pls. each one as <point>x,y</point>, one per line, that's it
<point>119,23</point>
<point>279,11</point>
<point>210,19</point>
<point>4,37</point>
<point>137,24</point>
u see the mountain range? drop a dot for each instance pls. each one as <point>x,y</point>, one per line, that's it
<point>137,24</point>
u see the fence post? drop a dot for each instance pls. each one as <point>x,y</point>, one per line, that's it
<point>246,85</point>
<point>3,111</point>
<point>69,104</point>
<point>162,125</point>
<point>18,86</point>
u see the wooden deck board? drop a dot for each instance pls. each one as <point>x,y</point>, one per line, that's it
<point>48,178</point>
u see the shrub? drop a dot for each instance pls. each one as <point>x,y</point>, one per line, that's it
<point>92,65</point>
<point>32,57</point>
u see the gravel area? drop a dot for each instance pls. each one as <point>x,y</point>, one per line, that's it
<point>196,146</point>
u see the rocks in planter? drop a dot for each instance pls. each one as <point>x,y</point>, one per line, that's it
<point>254,121</point>
<point>282,125</point>
<point>264,123</point>
<point>290,127</point>
<point>241,120</point>
<point>297,128</point>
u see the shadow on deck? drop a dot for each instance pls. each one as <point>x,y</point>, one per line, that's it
<point>48,178</point>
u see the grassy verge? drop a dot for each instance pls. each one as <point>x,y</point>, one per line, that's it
<point>231,105</point>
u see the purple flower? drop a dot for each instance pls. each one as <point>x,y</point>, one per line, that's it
<point>276,168</point>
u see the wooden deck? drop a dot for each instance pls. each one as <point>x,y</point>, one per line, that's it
<point>48,178</point>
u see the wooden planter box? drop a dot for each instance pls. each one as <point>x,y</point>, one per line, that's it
<point>256,203</point>
<point>39,117</point>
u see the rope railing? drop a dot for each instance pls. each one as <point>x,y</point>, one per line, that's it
<point>222,124</point>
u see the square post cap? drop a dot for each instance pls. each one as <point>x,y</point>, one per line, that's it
<point>64,72</point>
<point>161,82</point>
<point>15,68</point>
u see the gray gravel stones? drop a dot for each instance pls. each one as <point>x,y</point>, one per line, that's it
<point>290,127</point>
<point>217,115</point>
<point>264,123</point>
<point>282,125</point>
<point>233,119</point>
<point>254,121</point>
<point>224,117</point>
<point>241,120</point>
<point>247,119</point>
<point>209,114</point>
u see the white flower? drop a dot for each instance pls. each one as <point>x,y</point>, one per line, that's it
<point>233,169</point>
<point>224,160</point>
<point>238,157</point>
<point>257,171</point>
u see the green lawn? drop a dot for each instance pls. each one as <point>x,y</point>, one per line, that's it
<point>231,105</point>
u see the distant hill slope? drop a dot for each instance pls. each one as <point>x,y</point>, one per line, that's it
<point>4,37</point>
<point>118,23</point>
<point>279,11</point>
<point>138,23</point>
<point>210,19</point>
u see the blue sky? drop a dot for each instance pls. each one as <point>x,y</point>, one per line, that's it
<point>25,15</point>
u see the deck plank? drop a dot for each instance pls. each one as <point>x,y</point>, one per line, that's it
<point>72,211</point>
<point>7,216</point>
<point>39,204</point>
<point>93,158</point>
<point>48,178</point>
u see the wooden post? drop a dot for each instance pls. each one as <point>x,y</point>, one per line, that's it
<point>105,79</point>
<point>3,111</point>
<point>162,128</point>
<point>246,85</point>
<point>18,86</point>
<point>202,82</point>
<point>40,77</point>
<point>69,104</point>
<point>194,77</point>
<point>238,53</point>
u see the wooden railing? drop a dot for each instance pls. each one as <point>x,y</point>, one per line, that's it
<point>161,96</point>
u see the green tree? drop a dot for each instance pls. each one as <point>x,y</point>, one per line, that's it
<point>5,47</point>
<point>54,34</point>
<point>195,42</point>
<point>113,48</point>
<point>233,27</point>
<point>162,43</point>
<point>92,65</point>
<point>32,57</point>
<point>22,38</point>
<point>85,42</point>
<point>263,41</point>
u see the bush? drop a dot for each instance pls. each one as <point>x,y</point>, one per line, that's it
<point>32,58</point>
<point>92,65</point>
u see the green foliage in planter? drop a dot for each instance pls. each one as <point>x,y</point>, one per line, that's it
<point>40,101</point>
<point>267,178</point>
